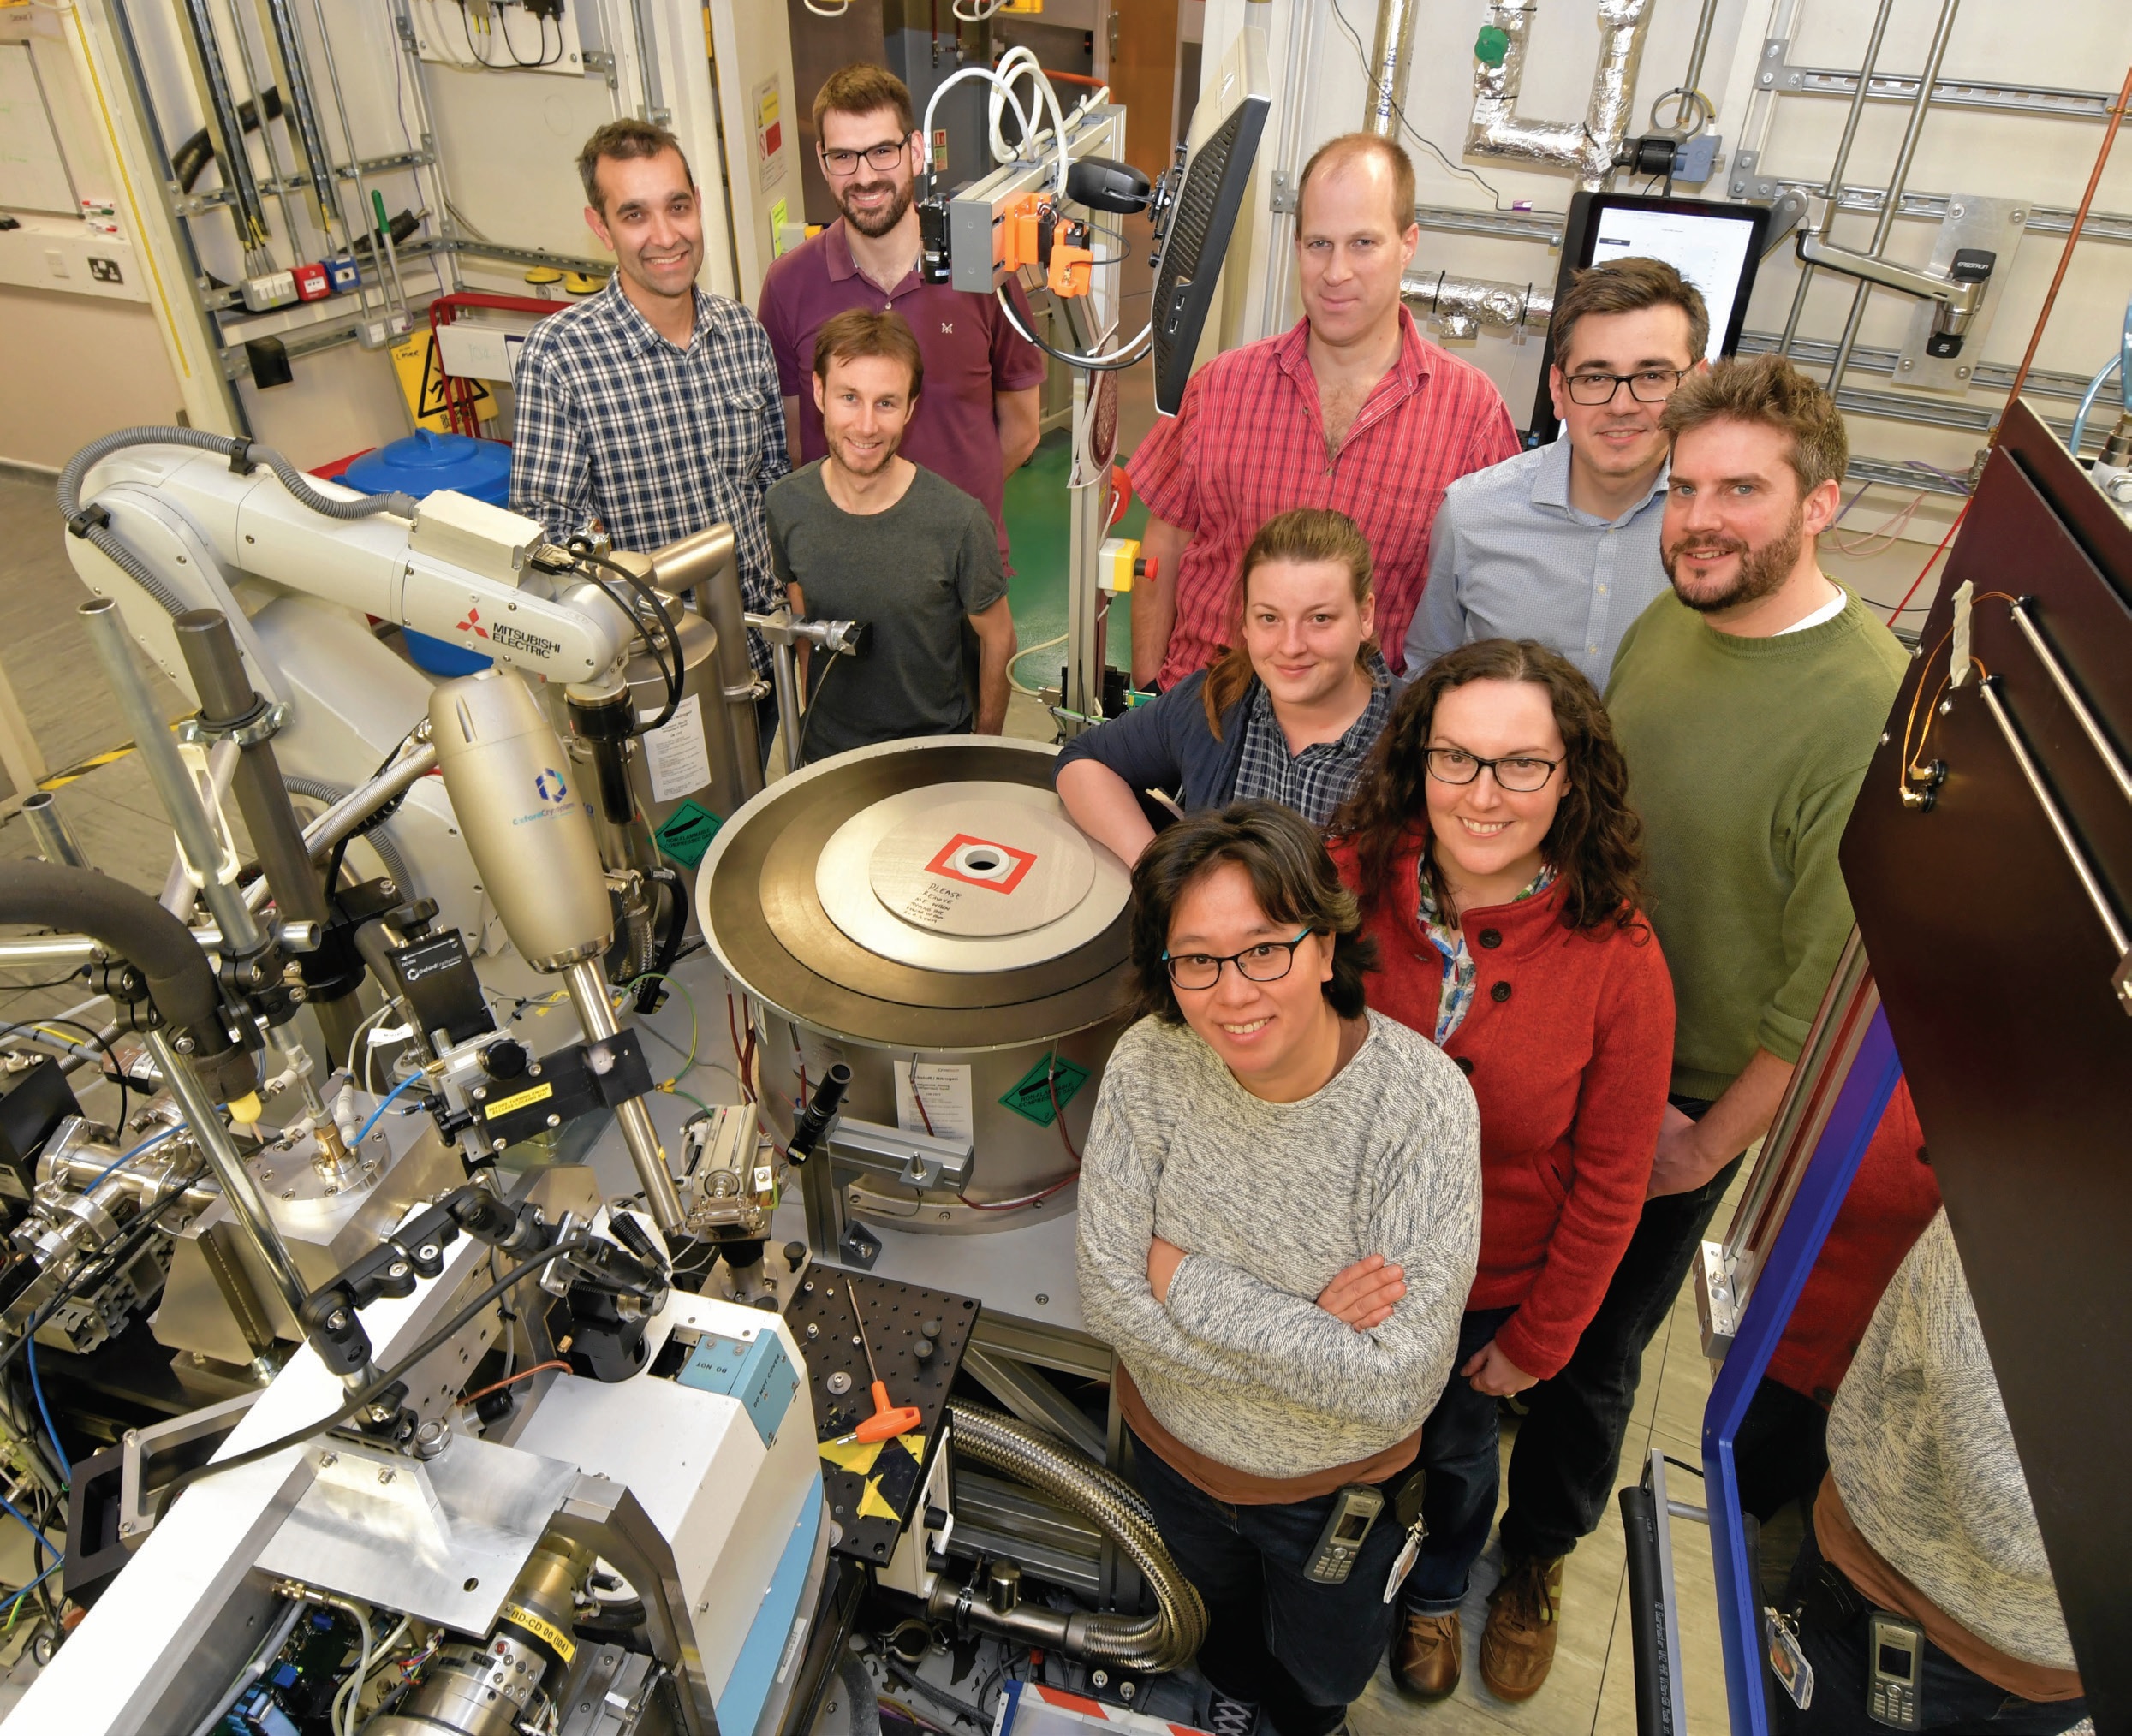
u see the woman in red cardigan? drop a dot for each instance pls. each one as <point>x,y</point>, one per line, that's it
<point>1498,859</point>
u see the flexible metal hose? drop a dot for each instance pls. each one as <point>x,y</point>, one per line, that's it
<point>377,837</point>
<point>1162,1641</point>
<point>99,536</point>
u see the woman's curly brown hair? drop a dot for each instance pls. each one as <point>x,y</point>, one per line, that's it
<point>1596,842</point>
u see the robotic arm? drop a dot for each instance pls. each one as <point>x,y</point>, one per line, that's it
<point>451,567</point>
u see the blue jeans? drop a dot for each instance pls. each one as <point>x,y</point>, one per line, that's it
<point>1459,1451</point>
<point>1300,1650</point>
<point>1951,1698</point>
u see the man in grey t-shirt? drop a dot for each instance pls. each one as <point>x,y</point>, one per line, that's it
<point>865,535</point>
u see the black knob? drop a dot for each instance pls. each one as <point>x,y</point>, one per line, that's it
<point>921,1351</point>
<point>931,1328</point>
<point>506,1058</point>
<point>794,1256</point>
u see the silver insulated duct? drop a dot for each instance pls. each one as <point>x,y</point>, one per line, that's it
<point>1587,146</point>
<point>1463,304</point>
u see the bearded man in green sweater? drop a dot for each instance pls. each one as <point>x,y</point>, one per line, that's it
<point>1747,701</point>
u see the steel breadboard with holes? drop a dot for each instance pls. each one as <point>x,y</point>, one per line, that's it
<point>872,1490</point>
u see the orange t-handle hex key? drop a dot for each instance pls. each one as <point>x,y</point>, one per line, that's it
<point>888,1420</point>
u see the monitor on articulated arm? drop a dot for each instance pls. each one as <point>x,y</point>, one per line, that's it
<point>1203,194</point>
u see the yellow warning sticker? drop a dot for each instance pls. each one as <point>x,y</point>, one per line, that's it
<point>517,1100</point>
<point>541,1628</point>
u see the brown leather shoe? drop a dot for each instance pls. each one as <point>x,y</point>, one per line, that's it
<point>1518,1648</point>
<point>1425,1654</point>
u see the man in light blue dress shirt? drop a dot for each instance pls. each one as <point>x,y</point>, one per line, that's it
<point>1561,543</point>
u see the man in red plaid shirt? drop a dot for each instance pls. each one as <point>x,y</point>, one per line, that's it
<point>1354,410</point>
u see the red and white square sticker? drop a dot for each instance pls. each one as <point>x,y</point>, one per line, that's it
<point>980,862</point>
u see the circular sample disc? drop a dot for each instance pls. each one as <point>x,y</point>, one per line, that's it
<point>966,876</point>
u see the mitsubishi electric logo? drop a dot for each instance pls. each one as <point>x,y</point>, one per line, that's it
<point>514,639</point>
<point>473,622</point>
<point>550,785</point>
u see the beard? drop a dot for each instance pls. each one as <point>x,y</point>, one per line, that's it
<point>881,222</point>
<point>1760,571</point>
<point>847,462</point>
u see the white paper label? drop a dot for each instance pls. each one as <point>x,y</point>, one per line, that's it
<point>679,762</point>
<point>945,1088</point>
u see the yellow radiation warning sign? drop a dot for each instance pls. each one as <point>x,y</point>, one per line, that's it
<point>422,382</point>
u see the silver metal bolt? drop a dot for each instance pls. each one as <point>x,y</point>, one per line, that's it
<point>1100,1678</point>
<point>1884,738</point>
<point>385,1477</point>
<point>1954,211</point>
<point>1947,706</point>
<point>1042,1299</point>
<point>2019,217</point>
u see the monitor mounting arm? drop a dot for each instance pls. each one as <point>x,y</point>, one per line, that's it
<point>1960,293</point>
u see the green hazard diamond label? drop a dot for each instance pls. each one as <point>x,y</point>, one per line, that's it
<point>1052,1081</point>
<point>688,832</point>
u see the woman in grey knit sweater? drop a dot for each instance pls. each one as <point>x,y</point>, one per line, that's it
<point>1279,1217</point>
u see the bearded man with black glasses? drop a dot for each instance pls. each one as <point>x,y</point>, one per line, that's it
<point>978,419</point>
<point>1560,545</point>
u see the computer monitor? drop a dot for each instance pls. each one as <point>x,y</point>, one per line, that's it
<point>1226,126</point>
<point>1715,245</point>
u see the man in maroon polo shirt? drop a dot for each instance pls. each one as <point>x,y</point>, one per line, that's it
<point>1353,410</point>
<point>977,418</point>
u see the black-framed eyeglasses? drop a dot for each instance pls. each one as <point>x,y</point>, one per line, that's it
<point>1648,386</point>
<point>881,156</point>
<point>1267,962</point>
<point>1519,773</point>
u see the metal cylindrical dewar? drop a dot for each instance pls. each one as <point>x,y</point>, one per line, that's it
<point>706,565</point>
<point>588,994</point>
<point>226,700</point>
<point>55,839</point>
<point>529,832</point>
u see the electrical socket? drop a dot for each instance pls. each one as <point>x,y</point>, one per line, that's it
<point>105,271</point>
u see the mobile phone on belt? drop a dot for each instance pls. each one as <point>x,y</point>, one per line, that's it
<point>1354,1510</point>
<point>1895,1654</point>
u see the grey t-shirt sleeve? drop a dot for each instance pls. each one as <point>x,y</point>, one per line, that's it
<point>777,521</point>
<point>981,579</point>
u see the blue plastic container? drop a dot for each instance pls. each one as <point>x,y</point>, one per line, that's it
<point>420,465</point>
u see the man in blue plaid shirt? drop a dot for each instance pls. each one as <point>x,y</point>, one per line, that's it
<point>652,407</point>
